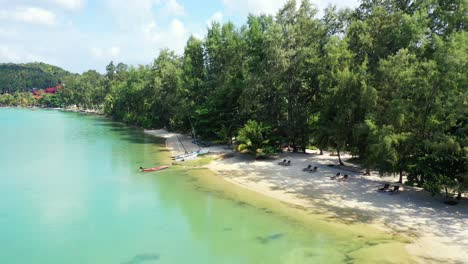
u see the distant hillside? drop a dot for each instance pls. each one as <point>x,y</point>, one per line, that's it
<point>25,77</point>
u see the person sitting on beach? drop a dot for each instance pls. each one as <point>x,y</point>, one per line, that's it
<point>336,176</point>
<point>287,163</point>
<point>308,168</point>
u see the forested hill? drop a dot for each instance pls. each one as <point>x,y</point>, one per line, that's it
<point>24,77</point>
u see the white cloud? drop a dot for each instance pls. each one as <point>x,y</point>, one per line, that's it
<point>114,51</point>
<point>151,32</point>
<point>31,15</point>
<point>172,7</point>
<point>8,33</point>
<point>69,4</point>
<point>130,15</point>
<point>6,54</point>
<point>173,37</point>
<point>106,53</point>
<point>254,6</point>
<point>145,27</point>
<point>216,17</point>
<point>177,28</point>
<point>60,4</point>
<point>9,54</point>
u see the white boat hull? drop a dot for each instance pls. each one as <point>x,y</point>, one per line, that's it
<point>185,157</point>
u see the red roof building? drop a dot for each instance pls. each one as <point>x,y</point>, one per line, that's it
<point>51,90</point>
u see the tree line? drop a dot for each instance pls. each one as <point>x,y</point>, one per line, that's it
<point>386,82</point>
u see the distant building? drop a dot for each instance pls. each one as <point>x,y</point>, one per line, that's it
<point>51,90</point>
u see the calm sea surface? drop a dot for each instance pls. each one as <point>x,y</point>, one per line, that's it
<point>70,192</point>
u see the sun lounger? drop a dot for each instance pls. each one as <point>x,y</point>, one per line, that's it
<point>282,162</point>
<point>336,176</point>
<point>287,163</point>
<point>314,169</point>
<point>308,168</point>
<point>385,188</point>
<point>396,189</point>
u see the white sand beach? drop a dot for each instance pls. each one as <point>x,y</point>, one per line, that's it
<point>439,231</point>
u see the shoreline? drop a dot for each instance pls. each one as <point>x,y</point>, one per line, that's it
<point>438,232</point>
<point>70,109</point>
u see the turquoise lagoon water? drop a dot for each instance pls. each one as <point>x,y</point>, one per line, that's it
<point>71,192</point>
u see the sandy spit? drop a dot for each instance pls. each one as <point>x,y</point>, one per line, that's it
<point>439,231</point>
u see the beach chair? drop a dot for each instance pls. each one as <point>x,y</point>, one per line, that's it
<point>336,176</point>
<point>287,163</point>
<point>385,188</point>
<point>282,162</point>
<point>308,168</point>
<point>314,169</point>
<point>396,189</point>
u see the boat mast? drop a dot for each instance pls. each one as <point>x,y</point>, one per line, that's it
<point>180,141</point>
<point>194,134</point>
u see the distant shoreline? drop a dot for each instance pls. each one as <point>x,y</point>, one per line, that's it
<point>408,213</point>
<point>72,109</point>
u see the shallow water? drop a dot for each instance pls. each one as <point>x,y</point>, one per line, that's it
<point>71,192</point>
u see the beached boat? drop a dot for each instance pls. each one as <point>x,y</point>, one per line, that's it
<point>203,152</point>
<point>191,155</point>
<point>158,168</point>
<point>188,156</point>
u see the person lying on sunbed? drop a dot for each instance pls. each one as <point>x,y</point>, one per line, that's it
<point>396,189</point>
<point>344,178</point>
<point>314,169</point>
<point>287,163</point>
<point>308,168</point>
<point>384,188</point>
<point>338,175</point>
<point>282,162</point>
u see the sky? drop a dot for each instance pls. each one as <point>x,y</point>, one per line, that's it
<point>79,35</point>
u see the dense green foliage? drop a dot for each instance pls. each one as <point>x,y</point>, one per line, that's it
<point>22,99</point>
<point>253,138</point>
<point>386,82</point>
<point>25,77</point>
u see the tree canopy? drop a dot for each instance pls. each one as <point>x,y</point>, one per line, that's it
<point>386,81</point>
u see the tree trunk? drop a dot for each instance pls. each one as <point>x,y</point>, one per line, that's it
<point>401,177</point>
<point>459,195</point>
<point>339,157</point>
<point>321,151</point>
<point>294,145</point>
